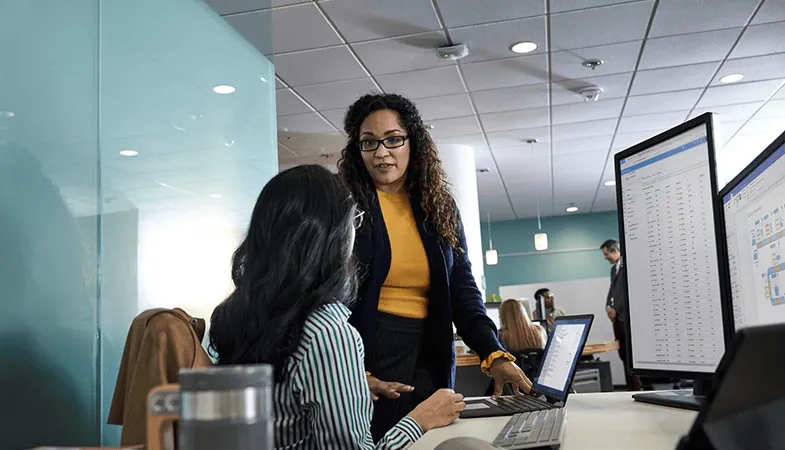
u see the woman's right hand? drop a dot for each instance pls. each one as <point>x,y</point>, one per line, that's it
<point>387,389</point>
<point>439,410</point>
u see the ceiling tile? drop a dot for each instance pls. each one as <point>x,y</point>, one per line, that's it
<point>664,102</point>
<point>493,41</point>
<point>730,113</point>
<point>310,145</point>
<point>295,28</point>
<point>571,5</point>
<point>703,47</point>
<point>423,83</point>
<point>238,6</point>
<point>771,11</point>
<point>283,2</point>
<point>588,129</point>
<point>600,26</point>
<point>680,16</point>
<point>613,86</point>
<point>334,64</point>
<point>476,141</point>
<point>458,13</point>
<point>617,58</point>
<point>761,40</point>
<point>445,106</point>
<point>570,171</point>
<point>595,144</point>
<point>340,94</point>
<point>456,126</point>
<point>403,54</point>
<point>364,20</point>
<point>738,93</point>
<point>655,123</point>
<point>309,123</point>
<point>755,68</point>
<point>517,138</point>
<point>509,99</point>
<point>335,116</point>
<point>780,93</point>
<point>278,84</point>
<point>626,140</point>
<point>770,128</point>
<point>771,110</point>
<point>530,69</point>
<point>581,112</point>
<point>287,103</point>
<point>673,78</point>
<point>514,120</point>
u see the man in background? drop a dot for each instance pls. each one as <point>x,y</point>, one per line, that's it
<point>551,311</point>
<point>616,305</point>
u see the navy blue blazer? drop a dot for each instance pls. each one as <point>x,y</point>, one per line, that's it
<point>453,295</point>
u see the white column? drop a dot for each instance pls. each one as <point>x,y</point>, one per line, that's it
<point>458,162</point>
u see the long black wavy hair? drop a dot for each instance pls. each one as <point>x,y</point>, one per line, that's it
<point>295,258</point>
<point>424,176</point>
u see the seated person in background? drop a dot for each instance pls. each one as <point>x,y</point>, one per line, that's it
<point>517,332</point>
<point>551,310</point>
<point>293,277</point>
<point>528,312</point>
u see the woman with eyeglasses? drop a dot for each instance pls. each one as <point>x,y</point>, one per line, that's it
<point>294,281</point>
<point>415,275</point>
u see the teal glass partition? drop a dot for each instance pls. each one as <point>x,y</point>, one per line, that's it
<point>126,181</point>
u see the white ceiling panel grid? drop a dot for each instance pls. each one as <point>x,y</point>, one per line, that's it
<point>660,66</point>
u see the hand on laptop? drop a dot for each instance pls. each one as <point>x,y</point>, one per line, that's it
<point>439,410</point>
<point>389,389</point>
<point>503,372</point>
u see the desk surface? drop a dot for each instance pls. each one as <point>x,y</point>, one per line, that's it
<point>603,421</point>
<point>463,358</point>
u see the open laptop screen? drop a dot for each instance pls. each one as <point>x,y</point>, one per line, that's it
<point>560,359</point>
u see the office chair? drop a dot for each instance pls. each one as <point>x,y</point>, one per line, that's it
<point>529,361</point>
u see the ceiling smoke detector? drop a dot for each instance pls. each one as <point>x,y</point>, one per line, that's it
<point>590,94</point>
<point>592,63</point>
<point>453,52</point>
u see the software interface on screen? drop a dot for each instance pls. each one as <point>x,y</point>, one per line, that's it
<point>755,227</point>
<point>671,256</point>
<point>562,354</point>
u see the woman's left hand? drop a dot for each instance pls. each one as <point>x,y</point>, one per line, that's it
<point>504,371</point>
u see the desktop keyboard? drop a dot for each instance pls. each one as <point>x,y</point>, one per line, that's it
<point>532,430</point>
<point>518,404</point>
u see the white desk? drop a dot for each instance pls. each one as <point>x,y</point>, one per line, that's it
<point>603,421</point>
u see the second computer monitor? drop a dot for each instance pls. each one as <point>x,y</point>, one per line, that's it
<point>668,212</point>
<point>754,219</point>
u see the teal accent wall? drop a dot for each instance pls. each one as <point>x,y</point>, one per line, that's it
<point>564,233</point>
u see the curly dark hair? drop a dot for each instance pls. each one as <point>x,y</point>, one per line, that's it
<point>424,177</point>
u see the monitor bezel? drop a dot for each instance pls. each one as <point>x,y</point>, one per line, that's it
<point>706,120</point>
<point>730,186</point>
<point>551,393</point>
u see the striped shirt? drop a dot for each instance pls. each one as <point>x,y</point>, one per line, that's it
<point>324,402</point>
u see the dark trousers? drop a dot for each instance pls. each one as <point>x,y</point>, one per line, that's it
<point>633,381</point>
<point>398,356</point>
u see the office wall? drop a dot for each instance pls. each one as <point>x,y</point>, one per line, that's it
<point>89,237</point>
<point>573,249</point>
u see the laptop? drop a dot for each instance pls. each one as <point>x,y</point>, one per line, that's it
<point>746,405</point>
<point>554,378</point>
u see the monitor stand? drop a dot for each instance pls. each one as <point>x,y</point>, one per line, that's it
<point>678,399</point>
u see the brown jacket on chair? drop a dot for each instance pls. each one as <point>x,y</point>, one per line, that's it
<point>159,344</point>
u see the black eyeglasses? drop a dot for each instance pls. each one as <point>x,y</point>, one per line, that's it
<point>371,145</point>
<point>358,219</point>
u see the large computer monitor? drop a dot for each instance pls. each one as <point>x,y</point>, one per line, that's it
<point>754,238</point>
<point>668,219</point>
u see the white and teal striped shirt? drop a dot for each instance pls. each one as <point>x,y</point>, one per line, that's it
<point>324,402</point>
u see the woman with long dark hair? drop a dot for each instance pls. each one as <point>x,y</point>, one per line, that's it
<point>416,278</point>
<point>294,277</point>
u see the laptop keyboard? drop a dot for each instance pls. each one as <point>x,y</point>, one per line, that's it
<point>520,404</point>
<point>531,429</point>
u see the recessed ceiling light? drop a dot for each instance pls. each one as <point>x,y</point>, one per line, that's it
<point>524,47</point>
<point>224,89</point>
<point>732,78</point>
<point>216,196</point>
<point>129,152</point>
<point>572,209</point>
<point>610,183</point>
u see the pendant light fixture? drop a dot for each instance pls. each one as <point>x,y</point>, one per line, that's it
<point>540,238</point>
<point>491,256</point>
